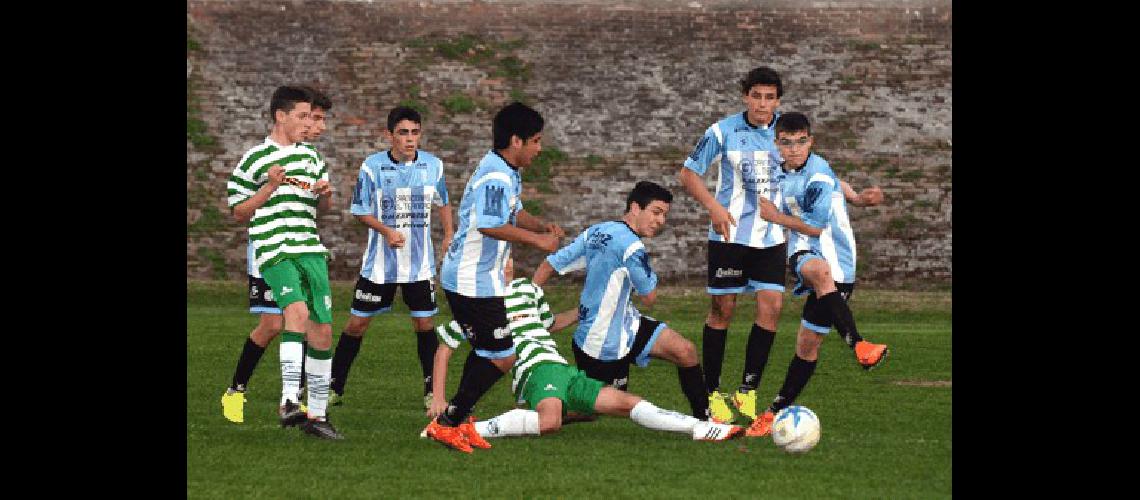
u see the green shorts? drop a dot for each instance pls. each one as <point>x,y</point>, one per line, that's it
<point>302,279</point>
<point>553,380</point>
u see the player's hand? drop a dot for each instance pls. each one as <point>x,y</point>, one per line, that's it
<point>871,196</point>
<point>437,407</point>
<point>722,221</point>
<point>322,188</point>
<point>555,229</point>
<point>445,244</point>
<point>394,238</point>
<point>768,209</point>
<point>547,242</point>
<point>276,175</point>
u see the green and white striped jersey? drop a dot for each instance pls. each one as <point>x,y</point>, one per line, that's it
<point>286,226</point>
<point>528,317</point>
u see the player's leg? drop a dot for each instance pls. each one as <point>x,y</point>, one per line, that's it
<point>284,278</point>
<point>319,352</point>
<point>269,325</point>
<point>726,278</point>
<point>420,299</point>
<point>765,270</point>
<point>815,272</point>
<point>662,342</point>
<point>800,371</point>
<point>610,401</point>
<point>368,300</point>
<point>612,373</point>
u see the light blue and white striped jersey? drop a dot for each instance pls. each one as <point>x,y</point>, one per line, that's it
<point>473,266</point>
<point>400,195</point>
<point>813,194</point>
<point>616,263</point>
<point>748,162</point>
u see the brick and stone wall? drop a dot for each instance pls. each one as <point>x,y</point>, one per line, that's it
<point>626,88</point>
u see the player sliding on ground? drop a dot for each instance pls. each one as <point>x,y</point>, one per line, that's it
<point>549,387</point>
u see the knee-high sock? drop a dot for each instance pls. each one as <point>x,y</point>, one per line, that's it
<point>841,317</point>
<point>479,374</point>
<point>649,415</point>
<point>250,355</point>
<point>692,384</point>
<point>319,366</point>
<point>799,372</point>
<point>426,344</point>
<point>291,352</point>
<point>712,356</point>
<point>517,422</point>
<point>346,349</point>
<point>756,357</point>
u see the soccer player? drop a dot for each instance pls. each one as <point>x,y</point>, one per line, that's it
<point>277,187</point>
<point>745,252</point>
<point>394,196</point>
<point>821,253</point>
<point>491,218</point>
<point>550,387</point>
<point>270,322</point>
<point>611,332</point>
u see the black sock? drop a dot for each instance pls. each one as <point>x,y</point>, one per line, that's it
<point>799,371</point>
<point>692,386</point>
<point>346,349</point>
<point>712,356</point>
<point>479,374</point>
<point>756,357</point>
<point>250,355</point>
<point>841,317</point>
<point>426,343</point>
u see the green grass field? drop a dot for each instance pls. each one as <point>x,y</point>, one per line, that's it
<point>886,433</point>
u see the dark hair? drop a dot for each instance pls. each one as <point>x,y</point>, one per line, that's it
<point>792,122</point>
<point>320,100</point>
<point>285,97</point>
<point>517,119</point>
<point>762,76</point>
<point>645,192</point>
<point>402,113</point>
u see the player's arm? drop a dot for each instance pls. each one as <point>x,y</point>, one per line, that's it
<point>644,280</point>
<point>322,188</point>
<point>814,216</point>
<point>536,224</point>
<point>394,238</point>
<point>450,335</point>
<point>868,198</point>
<point>690,177</point>
<point>364,207</point>
<point>494,218</point>
<point>569,258</point>
<point>244,211</point>
<point>564,319</point>
<point>443,211</point>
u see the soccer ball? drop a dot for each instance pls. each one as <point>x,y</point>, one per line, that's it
<point>796,429</point>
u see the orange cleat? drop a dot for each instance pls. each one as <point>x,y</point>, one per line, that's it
<point>762,426</point>
<point>870,355</point>
<point>451,437</point>
<point>473,437</point>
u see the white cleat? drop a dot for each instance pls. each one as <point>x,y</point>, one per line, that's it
<point>712,431</point>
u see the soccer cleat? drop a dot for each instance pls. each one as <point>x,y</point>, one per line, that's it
<point>712,431</point>
<point>745,403</point>
<point>870,355</point>
<point>321,428</point>
<point>762,426</point>
<point>718,409</point>
<point>233,406</point>
<point>291,414</point>
<point>473,437</point>
<point>335,399</point>
<point>451,437</point>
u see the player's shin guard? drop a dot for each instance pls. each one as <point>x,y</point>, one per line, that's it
<point>799,372</point>
<point>319,366</point>
<point>346,349</point>
<point>426,344</point>
<point>712,355</point>
<point>250,356</point>
<point>479,374</point>
<point>517,422</point>
<point>756,357</point>
<point>649,415</point>
<point>841,317</point>
<point>692,384</point>
<point>291,354</point>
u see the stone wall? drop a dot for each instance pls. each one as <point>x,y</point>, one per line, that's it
<point>626,90</point>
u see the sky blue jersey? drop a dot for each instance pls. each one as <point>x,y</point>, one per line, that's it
<point>813,194</point>
<point>473,266</point>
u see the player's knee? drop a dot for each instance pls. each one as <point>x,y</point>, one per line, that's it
<point>356,326</point>
<point>720,314</point>
<point>807,345</point>
<point>685,352</point>
<point>549,425</point>
<point>422,324</point>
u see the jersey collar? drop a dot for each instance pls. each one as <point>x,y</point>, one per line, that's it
<point>516,169</point>
<point>784,163</point>
<point>775,116</point>
<point>394,162</point>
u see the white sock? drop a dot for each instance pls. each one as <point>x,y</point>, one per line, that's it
<point>318,374</point>
<point>291,352</point>
<point>517,422</point>
<point>648,415</point>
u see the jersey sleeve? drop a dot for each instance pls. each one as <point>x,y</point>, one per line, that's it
<point>706,150</point>
<point>441,198</point>
<point>571,257</point>
<point>543,307</point>
<point>450,334</point>
<point>364,196</point>
<point>243,183</point>
<point>636,261</point>
<point>817,201</point>
<point>492,203</point>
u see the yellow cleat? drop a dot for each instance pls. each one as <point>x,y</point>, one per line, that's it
<point>718,408</point>
<point>233,406</point>
<point>745,402</point>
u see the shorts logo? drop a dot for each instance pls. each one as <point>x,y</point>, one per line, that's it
<point>501,332</point>
<point>253,291</point>
<point>728,273</point>
<point>550,387</point>
<point>269,295</point>
<point>328,302</point>
<point>621,382</point>
<point>285,290</point>
<point>468,331</point>
<point>367,297</point>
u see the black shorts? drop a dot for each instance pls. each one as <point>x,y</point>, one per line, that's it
<point>816,317</point>
<point>736,268</point>
<point>616,372</point>
<point>261,297</point>
<point>484,323</point>
<point>370,299</point>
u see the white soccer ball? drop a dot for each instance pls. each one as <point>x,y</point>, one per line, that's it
<point>796,429</point>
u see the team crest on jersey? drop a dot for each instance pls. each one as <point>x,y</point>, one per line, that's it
<point>494,196</point>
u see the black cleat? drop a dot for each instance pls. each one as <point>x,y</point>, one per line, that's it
<point>291,414</point>
<point>322,429</point>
